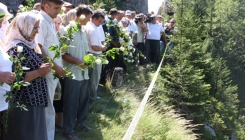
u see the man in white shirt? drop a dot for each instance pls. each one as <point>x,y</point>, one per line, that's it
<point>96,48</point>
<point>46,38</point>
<point>132,25</point>
<point>76,94</point>
<point>154,33</point>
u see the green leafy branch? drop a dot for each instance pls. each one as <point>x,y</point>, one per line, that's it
<point>63,46</point>
<point>18,72</point>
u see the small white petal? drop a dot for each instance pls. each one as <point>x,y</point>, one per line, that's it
<point>98,61</point>
<point>19,49</point>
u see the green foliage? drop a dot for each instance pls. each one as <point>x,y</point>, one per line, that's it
<point>104,4</point>
<point>27,7</point>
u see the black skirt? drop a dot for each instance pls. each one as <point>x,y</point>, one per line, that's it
<point>26,125</point>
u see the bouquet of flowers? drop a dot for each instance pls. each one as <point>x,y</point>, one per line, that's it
<point>126,49</point>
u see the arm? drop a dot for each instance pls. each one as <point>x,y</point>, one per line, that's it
<point>58,69</point>
<point>98,48</point>
<point>113,43</point>
<point>164,37</point>
<point>112,32</point>
<point>44,69</point>
<point>67,57</point>
<point>95,43</point>
<point>143,29</point>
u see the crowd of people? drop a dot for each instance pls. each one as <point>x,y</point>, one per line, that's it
<point>30,34</point>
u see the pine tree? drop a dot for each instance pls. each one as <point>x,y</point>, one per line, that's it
<point>198,80</point>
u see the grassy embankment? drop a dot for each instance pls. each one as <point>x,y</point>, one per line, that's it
<point>111,115</point>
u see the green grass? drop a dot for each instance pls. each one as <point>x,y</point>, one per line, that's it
<point>110,116</point>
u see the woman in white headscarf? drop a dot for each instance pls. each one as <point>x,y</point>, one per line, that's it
<point>4,21</point>
<point>19,41</point>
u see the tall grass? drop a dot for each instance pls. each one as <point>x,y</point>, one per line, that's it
<point>111,115</point>
<point>163,125</point>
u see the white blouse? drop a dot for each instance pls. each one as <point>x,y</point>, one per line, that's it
<point>5,66</point>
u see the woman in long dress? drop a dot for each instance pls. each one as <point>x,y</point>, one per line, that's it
<point>19,41</point>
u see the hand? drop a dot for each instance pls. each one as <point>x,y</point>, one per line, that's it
<point>59,71</point>
<point>7,77</point>
<point>135,43</point>
<point>80,64</point>
<point>104,48</point>
<point>44,69</point>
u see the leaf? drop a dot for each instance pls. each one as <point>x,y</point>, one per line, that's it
<point>22,58</point>
<point>11,58</point>
<point>52,48</point>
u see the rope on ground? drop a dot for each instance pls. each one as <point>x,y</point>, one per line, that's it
<point>141,108</point>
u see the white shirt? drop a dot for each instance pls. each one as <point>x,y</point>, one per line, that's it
<point>154,31</point>
<point>3,31</point>
<point>93,37</point>
<point>102,33</point>
<point>133,27</point>
<point>141,34</point>
<point>47,37</point>
<point>5,66</point>
<point>78,49</point>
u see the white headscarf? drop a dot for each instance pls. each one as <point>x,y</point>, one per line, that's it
<point>69,16</point>
<point>20,30</point>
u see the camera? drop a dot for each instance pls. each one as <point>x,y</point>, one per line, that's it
<point>148,18</point>
<point>137,19</point>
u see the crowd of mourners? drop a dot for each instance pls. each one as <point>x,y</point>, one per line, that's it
<point>30,34</point>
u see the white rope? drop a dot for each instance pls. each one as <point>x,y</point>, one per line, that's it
<point>141,108</point>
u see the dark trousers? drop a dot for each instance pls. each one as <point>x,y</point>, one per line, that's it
<point>141,47</point>
<point>152,48</point>
<point>76,103</point>
<point>58,104</point>
<point>2,128</point>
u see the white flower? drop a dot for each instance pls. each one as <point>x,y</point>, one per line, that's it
<point>19,49</point>
<point>25,68</point>
<point>21,6</point>
<point>133,49</point>
<point>130,54</point>
<point>98,61</point>
<point>63,8</point>
<point>121,40</point>
<point>82,17</point>
<point>73,76</point>
<point>129,60</point>
<point>129,47</point>
<point>106,62</point>
<point>90,54</point>
<point>122,49</point>
<point>130,42</point>
<point>72,23</point>
<point>132,60</point>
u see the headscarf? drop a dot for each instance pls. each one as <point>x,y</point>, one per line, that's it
<point>4,10</point>
<point>69,16</point>
<point>20,30</point>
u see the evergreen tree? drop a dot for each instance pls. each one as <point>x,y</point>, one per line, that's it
<point>198,80</point>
